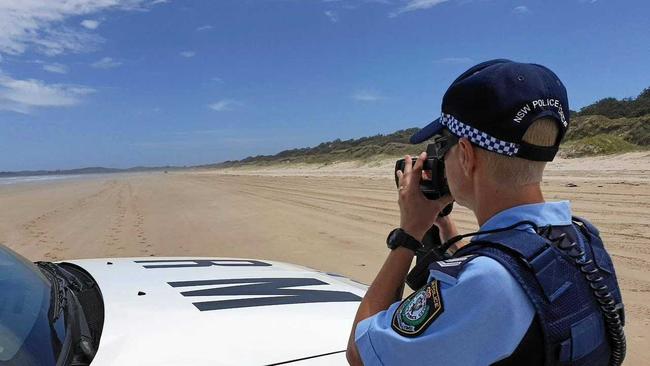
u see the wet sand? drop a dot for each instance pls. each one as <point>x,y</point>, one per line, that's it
<point>332,218</point>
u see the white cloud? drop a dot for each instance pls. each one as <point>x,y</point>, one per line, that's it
<point>56,68</point>
<point>217,80</point>
<point>204,28</point>
<point>224,105</point>
<point>188,54</point>
<point>156,2</point>
<point>106,63</point>
<point>90,24</point>
<point>332,16</point>
<point>414,5</point>
<point>454,60</point>
<point>58,42</point>
<point>367,96</point>
<point>40,24</point>
<point>23,96</point>
<point>521,9</point>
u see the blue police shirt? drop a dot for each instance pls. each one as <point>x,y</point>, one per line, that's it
<point>486,312</point>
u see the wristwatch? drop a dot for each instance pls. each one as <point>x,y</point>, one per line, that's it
<point>400,238</point>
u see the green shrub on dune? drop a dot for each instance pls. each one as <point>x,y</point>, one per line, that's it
<point>614,108</point>
<point>602,144</point>
<point>635,130</point>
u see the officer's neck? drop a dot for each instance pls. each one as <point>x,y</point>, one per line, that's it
<point>494,198</point>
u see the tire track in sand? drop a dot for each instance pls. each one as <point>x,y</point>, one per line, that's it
<point>36,228</point>
<point>126,230</point>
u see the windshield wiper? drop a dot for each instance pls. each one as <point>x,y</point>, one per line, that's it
<point>58,284</point>
<point>78,336</point>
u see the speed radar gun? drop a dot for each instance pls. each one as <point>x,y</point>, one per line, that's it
<point>433,185</point>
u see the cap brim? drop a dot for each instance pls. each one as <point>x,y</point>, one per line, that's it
<point>427,132</point>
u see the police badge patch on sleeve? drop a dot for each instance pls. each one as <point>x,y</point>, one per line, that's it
<point>414,315</point>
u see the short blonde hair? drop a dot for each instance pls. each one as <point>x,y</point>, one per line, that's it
<point>517,171</point>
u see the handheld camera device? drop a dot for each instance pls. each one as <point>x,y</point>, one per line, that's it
<point>433,186</point>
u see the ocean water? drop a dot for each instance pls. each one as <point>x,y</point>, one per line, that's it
<point>35,178</point>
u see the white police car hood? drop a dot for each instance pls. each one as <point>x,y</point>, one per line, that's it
<point>207,311</point>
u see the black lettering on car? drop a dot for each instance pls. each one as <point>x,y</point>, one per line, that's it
<point>192,263</point>
<point>277,287</point>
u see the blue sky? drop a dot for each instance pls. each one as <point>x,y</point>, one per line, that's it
<point>121,83</point>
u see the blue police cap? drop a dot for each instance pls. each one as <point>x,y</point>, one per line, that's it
<point>493,103</point>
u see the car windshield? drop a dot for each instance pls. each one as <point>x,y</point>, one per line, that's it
<point>26,335</point>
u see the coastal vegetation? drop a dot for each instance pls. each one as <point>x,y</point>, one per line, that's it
<point>607,126</point>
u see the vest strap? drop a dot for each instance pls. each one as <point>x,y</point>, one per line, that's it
<point>573,327</point>
<point>539,255</point>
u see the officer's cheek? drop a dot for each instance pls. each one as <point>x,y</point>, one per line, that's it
<point>454,178</point>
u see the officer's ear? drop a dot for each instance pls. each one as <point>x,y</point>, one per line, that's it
<point>466,156</point>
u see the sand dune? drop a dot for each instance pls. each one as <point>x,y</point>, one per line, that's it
<point>332,218</point>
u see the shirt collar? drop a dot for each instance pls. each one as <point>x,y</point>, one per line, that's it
<point>542,214</point>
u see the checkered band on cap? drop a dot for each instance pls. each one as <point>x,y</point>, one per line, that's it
<point>477,137</point>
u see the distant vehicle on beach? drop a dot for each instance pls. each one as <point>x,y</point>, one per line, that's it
<point>172,311</point>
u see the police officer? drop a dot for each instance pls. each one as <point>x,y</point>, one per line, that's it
<point>535,285</point>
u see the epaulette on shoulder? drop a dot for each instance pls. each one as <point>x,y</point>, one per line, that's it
<point>452,266</point>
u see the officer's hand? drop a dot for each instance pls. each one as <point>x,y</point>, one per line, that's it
<point>417,213</point>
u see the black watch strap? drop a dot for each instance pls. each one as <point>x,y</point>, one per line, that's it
<point>400,238</point>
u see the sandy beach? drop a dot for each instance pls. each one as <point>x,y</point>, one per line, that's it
<point>333,218</point>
